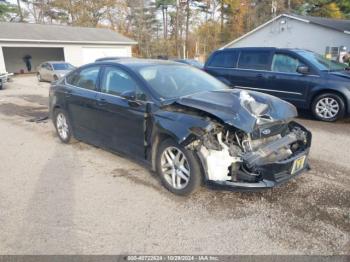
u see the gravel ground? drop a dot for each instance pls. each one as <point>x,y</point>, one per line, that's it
<point>78,199</point>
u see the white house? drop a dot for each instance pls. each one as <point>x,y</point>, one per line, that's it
<point>317,34</point>
<point>76,45</point>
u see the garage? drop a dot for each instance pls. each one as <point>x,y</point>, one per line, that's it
<point>23,46</point>
<point>14,57</point>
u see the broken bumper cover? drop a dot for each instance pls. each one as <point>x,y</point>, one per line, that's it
<point>272,174</point>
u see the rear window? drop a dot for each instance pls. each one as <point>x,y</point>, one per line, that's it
<point>62,66</point>
<point>84,78</point>
<point>258,60</point>
<point>224,59</point>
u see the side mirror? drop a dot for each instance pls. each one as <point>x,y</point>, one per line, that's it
<point>304,70</point>
<point>129,95</point>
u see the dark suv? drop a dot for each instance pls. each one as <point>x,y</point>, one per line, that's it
<point>304,78</point>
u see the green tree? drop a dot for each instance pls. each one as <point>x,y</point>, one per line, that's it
<point>8,12</point>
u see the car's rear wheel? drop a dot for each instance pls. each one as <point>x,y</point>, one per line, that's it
<point>178,168</point>
<point>328,107</point>
<point>63,126</point>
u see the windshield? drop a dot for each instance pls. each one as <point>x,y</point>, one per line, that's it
<point>62,66</point>
<point>321,62</point>
<point>172,81</point>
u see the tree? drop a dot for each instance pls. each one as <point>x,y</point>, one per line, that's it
<point>8,12</point>
<point>164,4</point>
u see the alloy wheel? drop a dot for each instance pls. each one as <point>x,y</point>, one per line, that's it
<point>327,108</point>
<point>175,168</point>
<point>62,126</point>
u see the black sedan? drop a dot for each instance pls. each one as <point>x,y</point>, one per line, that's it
<point>188,126</point>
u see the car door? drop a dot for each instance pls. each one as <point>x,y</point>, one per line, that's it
<point>252,69</point>
<point>121,117</point>
<point>44,72</point>
<point>286,82</point>
<point>81,94</point>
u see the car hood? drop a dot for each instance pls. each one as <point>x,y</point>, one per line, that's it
<point>240,108</point>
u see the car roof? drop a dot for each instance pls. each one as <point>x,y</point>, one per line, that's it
<point>139,62</point>
<point>260,48</point>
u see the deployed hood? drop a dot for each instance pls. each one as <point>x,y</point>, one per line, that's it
<point>240,108</point>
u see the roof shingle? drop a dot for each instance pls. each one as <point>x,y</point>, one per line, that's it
<point>336,24</point>
<point>60,33</point>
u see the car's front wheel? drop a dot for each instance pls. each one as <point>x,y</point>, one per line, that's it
<point>328,107</point>
<point>39,77</point>
<point>178,168</point>
<point>63,126</point>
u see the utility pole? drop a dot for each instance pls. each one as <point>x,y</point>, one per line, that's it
<point>273,8</point>
<point>289,6</point>
<point>187,27</point>
<point>177,29</point>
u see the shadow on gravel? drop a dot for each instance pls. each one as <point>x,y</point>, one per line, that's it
<point>49,220</point>
<point>10,109</point>
<point>37,99</point>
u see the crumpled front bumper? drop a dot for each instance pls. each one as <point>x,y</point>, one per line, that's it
<point>272,175</point>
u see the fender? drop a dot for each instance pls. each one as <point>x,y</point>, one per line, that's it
<point>177,125</point>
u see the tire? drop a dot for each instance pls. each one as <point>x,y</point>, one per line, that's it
<point>187,161</point>
<point>328,107</point>
<point>63,126</point>
<point>55,78</point>
<point>39,77</point>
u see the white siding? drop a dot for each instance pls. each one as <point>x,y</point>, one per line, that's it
<point>295,34</point>
<point>90,54</point>
<point>73,55</point>
<point>2,61</point>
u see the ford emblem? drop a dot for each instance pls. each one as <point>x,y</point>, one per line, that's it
<point>266,131</point>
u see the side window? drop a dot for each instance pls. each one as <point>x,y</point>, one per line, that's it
<point>258,60</point>
<point>224,59</point>
<point>115,82</point>
<point>85,78</point>
<point>285,63</point>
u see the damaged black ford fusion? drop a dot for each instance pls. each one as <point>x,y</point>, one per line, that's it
<point>191,128</point>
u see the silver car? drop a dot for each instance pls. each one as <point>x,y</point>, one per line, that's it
<point>53,70</point>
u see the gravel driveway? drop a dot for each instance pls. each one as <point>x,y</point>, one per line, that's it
<point>78,199</point>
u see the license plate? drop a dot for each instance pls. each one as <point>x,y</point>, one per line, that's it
<point>298,164</point>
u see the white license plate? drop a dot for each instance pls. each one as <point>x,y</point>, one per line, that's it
<point>298,164</point>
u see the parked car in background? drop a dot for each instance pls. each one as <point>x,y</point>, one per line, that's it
<point>191,62</point>
<point>187,125</point>
<point>4,78</point>
<point>53,70</point>
<point>306,79</point>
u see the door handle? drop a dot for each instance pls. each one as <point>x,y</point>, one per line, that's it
<point>260,76</point>
<point>101,102</point>
<point>68,94</point>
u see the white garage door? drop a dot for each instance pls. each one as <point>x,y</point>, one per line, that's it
<point>90,54</point>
